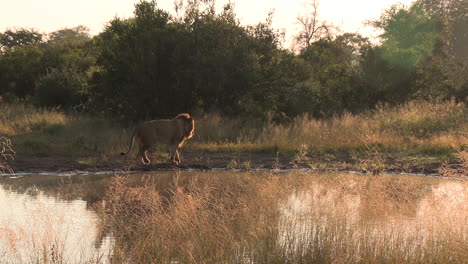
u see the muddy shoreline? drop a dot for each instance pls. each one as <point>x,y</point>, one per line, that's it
<point>29,164</point>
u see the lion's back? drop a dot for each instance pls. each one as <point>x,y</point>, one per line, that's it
<point>158,131</point>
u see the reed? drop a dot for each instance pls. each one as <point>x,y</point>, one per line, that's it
<point>287,218</point>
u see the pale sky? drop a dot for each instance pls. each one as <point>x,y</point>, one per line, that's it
<point>50,15</point>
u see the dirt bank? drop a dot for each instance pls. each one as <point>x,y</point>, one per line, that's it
<point>210,160</point>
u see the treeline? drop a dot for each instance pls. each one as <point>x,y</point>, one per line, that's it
<point>156,65</point>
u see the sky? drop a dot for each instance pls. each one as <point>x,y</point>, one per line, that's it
<point>51,15</point>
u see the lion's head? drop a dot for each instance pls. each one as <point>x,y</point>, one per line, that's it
<point>189,124</point>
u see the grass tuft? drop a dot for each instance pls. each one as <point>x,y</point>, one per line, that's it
<point>287,218</point>
<point>6,152</point>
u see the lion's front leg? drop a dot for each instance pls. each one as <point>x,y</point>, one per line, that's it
<point>174,154</point>
<point>177,158</point>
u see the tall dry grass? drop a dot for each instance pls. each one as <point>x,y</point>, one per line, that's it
<point>6,153</point>
<point>287,218</point>
<point>51,131</point>
<point>416,126</point>
<point>196,220</point>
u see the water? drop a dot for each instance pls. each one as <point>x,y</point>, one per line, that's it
<point>402,226</point>
<point>52,218</point>
<point>109,172</point>
<point>38,228</point>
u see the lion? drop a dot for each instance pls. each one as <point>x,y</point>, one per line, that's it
<point>172,132</point>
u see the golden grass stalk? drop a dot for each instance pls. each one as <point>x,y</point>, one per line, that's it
<point>288,218</point>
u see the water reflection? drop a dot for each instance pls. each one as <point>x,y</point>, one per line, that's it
<point>43,229</point>
<point>414,222</point>
<point>320,218</point>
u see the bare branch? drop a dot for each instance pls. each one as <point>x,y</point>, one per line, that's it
<point>311,28</point>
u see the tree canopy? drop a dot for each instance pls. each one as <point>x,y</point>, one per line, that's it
<point>155,64</point>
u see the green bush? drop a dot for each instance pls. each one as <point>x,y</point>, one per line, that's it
<point>60,88</point>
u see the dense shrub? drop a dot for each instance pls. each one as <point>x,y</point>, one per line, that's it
<point>60,88</point>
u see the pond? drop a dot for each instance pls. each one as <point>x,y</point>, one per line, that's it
<point>233,217</point>
<point>37,226</point>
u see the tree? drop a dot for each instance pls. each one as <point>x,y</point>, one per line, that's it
<point>311,28</point>
<point>410,41</point>
<point>453,16</point>
<point>70,36</point>
<point>153,65</point>
<point>20,61</point>
<point>19,37</point>
<point>70,48</point>
<point>141,62</point>
<point>69,60</point>
<point>41,71</point>
<point>409,35</point>
<point>21,67</point>
<point>336,80</point>
<point>60,87</point>
<point>451,54</point>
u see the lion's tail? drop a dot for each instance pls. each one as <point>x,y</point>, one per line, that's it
<point>132,142</point>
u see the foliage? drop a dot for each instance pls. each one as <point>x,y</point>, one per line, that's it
<point>21,37</point>
<point>60,66</point>
<point>161,66</point>
<point>20,68</point>
<point>59,88</point>
<point>409,35</point>
<point>451,54</point>
<point>419,46</point>
<point>337,82</point>
<point>155,65</point>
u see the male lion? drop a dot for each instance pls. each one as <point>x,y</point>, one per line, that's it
<point>171,132</point>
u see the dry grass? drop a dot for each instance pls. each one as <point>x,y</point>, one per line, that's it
<point>416,137</point>
<point>48,131</point>
<point>417,132</point>
<point>197,220</point>
<point>287,218</point>
<point>417,126</point>
<point>459,169</point>
<point>6,152</point>
<point>250,217</point>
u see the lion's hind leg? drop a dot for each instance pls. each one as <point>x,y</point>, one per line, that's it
<point>143,153</point>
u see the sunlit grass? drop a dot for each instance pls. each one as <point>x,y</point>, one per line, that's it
<point>414,127</point>
<point>426,132</point>
<point>411,137</point>
<point>288,218</point>
<point>52,132</point>
<point>6,153</point>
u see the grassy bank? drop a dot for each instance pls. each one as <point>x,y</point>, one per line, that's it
<point>420,126</point>
<point>417,132</point>
<point>287,218</point>
<point>52,132</point>
<point>410,137</point>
